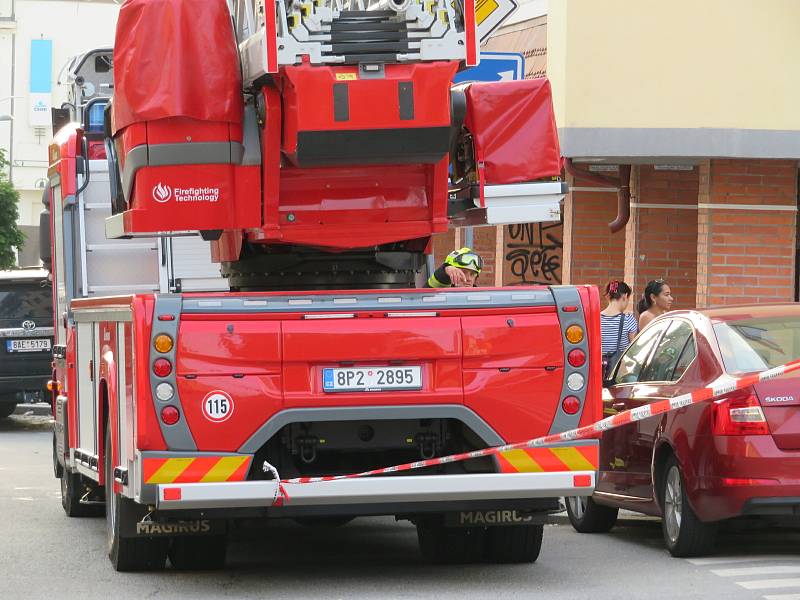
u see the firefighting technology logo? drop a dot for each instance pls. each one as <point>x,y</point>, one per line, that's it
<point>164,193</point>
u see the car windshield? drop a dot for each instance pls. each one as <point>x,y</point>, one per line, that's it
<point>757,344</point>
<point>21,301</point>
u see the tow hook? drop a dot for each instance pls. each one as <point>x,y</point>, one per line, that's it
<point>307,447</point>
<point>426,442</point>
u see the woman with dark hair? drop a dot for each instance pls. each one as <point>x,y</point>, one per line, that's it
<point>656,300</point>
<point>617,327</point>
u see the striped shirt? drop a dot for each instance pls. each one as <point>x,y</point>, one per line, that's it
<point>609,331</point>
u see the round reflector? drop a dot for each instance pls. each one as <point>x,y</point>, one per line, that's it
<point>170,415</point>
<point>162,367</point>
<point>571,405</point>
<point>163,343</point>
<point>574,334</point>
<point>165,391</point>
<point>575,381</point>
<point>576,357</point>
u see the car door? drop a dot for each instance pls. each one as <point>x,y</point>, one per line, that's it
<point>615,444</point>
<point>657,381</point>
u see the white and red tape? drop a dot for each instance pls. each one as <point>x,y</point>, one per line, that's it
<point>589,431</point>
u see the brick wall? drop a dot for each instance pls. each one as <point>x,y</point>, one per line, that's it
<point>662,234</point>
<point>746,254</point>
<point>592,254</point>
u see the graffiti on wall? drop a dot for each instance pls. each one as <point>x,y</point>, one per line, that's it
<point>532,253</point>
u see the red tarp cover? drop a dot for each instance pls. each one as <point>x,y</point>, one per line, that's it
<point>514,130</point>
<point>175,58</point>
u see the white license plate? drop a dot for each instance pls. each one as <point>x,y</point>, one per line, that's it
<point>32,345</point>
<point>371,379</point>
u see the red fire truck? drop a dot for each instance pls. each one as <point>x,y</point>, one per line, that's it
<point>316,147</point>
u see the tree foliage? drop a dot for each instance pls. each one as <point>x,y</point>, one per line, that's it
<point>11,237</point>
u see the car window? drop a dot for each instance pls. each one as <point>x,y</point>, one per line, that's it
<point>635,356</point>
<point>687,356</point>
<point>757,343</point>
<point>662,362</point>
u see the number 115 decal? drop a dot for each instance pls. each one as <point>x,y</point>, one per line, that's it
<point>217,406</point>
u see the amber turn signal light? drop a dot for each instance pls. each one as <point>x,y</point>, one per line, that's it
<point>574,334</point>
<point>163,343</point>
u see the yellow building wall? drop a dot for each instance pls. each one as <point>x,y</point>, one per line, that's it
<point>731,64</point>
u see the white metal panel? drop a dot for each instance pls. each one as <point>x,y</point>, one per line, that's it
<point>117,266</point>
<point>192,266</point>
<point>86,410</point>
<point>122,405</point>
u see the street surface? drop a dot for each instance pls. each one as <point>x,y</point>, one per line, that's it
<point>43,554</point>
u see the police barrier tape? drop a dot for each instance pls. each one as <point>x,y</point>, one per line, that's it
<point>589,431</point>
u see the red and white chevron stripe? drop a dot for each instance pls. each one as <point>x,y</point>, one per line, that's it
<point>590,431</point>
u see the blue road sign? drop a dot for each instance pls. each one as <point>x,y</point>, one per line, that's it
<point>495,66</point>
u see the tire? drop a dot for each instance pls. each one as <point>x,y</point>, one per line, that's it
<point>6,409</point>
<point>587,516</point>
<point>73,489</point>
<point>128,554</point>
<point>514,544</point>
<point>451,545</point>
<point>198,553</point>
<point>684,534</point>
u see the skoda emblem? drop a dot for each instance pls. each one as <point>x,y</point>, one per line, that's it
<point>28,325</point>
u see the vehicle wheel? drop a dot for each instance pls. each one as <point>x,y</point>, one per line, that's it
<point>73,489</point>
<point>198,553</point>
<point>7,409</point>
<point>514,543</point>
<point>587,516</point>
<point>128,554</point>
<point>451,545</point>
<point>684,533</point>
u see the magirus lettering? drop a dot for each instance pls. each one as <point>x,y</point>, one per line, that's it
<point>177,527</point>
<point>492,517</point>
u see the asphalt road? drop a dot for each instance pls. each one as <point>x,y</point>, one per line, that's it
<point>43,554</point>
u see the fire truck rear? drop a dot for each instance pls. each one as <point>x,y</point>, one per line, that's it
<point>316,147</point>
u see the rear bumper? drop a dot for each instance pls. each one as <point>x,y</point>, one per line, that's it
<point>747,476</point>
<point>25,383</point>
<point>406,490</point>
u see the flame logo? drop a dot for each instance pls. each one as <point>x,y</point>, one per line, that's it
<point>161,192</point>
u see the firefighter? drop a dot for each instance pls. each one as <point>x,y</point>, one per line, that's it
<point>460,269</point>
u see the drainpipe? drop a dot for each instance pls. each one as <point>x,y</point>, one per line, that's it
<point>622,183</point>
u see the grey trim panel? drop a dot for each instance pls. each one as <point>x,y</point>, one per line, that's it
<point>20,332</point>
<point>190,153</point>
<point>357,413</point>
<point>662,143</point>
<point>89,315</point>
<point>178,436</point>
<point>386,301</point>
<point>568,295</point>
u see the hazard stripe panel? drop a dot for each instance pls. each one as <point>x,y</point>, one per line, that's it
<point>202,469</point>
<point>548,460</point>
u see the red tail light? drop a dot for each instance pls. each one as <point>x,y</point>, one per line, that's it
<point>571,405</point>
<point>576,357</point>
<point>162,367</point>
<point>739,414</point>
<point>170,415</point>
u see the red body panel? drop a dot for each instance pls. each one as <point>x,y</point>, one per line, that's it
<point>722,472</point>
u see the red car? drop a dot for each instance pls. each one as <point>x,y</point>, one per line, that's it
<point>738,455</point>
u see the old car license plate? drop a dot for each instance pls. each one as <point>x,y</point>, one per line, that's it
<point>31,345</point>
<point>371,379</point>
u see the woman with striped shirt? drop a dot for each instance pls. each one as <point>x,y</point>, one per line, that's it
<point>617,327</point>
